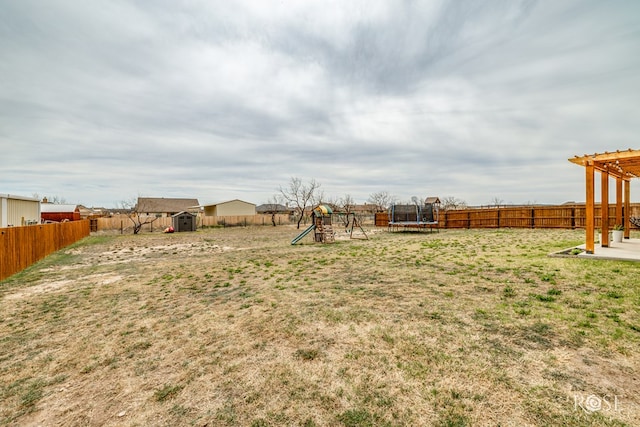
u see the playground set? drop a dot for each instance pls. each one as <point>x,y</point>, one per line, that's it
<point>323,229</point>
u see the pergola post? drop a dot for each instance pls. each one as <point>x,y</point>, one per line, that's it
<point>618,200</point>
<point>627,208</point>
<point>604,209</point>
<point>590,207</point>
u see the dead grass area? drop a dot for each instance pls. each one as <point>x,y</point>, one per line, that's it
<point>237,327</point>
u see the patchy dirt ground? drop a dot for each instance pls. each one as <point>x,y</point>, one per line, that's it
<point>238,327</point>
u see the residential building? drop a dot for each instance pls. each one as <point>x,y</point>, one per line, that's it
<point>230,208</point>
<point>166,207</point>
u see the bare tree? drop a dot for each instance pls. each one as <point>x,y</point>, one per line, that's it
<point>137,218</point>
<point>332,202</point>
<point>317,198</point>
<point>496,201</point>
<point>451,203</point>
<point>272,206</point>
<point>347,204</point>
<point>382,200</point>
<point>300,195</point>
<point>58,200</point>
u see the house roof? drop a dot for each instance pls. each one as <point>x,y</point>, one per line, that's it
<point>228,201</point>
<point>434,199</point>
<point>54,208</point>
<point>272,207</point>
<point>621,164</point>
<point>161,204</point>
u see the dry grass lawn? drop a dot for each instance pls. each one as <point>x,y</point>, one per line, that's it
<point>236,327</point>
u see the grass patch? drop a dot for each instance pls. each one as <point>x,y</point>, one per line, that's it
<point>235,326</point>
<point>360,418</point>
<point>167,392</point>
<point>307,354</point>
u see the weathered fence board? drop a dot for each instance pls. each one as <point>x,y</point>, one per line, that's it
<point>22,246</point>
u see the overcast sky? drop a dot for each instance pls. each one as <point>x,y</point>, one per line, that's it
<point>105,101</point>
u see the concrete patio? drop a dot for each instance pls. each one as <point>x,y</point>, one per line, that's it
<point>628,250</point>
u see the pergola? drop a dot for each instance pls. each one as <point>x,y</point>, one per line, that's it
<point>622,166</point>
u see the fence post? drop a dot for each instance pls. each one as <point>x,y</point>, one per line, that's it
<point>498,217</point>
<point>533,218</point>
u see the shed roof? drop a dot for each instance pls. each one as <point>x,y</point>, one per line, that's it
<point>182,213</point>
<point>620,164</point>
<point>13,196</point>
<point>55,208</point>
<point>161,204</point>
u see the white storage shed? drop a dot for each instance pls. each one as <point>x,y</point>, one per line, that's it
<point>18,210</point>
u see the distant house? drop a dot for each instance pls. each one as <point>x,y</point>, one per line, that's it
<point>230,208</point>
<point>18,210</point>
<point>50,212</point>
<point>432,200</point>
<point>269,208</point>
<point>93,212</point>
<point>166,207</point>
<point>365,209</point>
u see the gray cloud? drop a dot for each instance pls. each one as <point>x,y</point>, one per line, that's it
<point>102,101</point>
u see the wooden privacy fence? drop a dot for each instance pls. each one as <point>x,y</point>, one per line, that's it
<point>123,223</point>
<point>22,246</point>
<point>564,216</point>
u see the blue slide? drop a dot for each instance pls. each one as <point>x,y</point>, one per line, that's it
<point>304,233</point>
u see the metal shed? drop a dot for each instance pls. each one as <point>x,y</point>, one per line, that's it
<point>18,210</point>
<point>230,208</point>
<point>184,221</point>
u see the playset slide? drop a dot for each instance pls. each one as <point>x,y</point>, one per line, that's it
<point>304,233</point>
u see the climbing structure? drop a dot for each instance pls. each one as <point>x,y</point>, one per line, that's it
<point>320,225</point>
<point>321,216</point>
